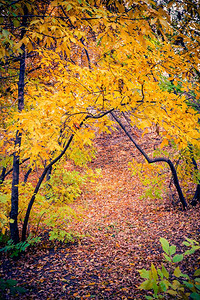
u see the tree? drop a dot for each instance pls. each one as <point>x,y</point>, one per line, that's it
<point>126,61</point>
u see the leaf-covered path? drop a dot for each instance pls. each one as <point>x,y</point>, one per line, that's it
<point>121,236</point>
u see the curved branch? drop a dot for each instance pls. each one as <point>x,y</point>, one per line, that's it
<point>38,187</point>
<point>46,169</point>
<point>158,159</point>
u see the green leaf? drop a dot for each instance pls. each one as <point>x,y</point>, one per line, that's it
<point>20,289</point>
<point>144,273</point>
<point>163,286</point>
<point>195,296</point>
<point>165,272</point>
<point>167,257</point>
<point>175,284</point>
<point>99,41</point>
<point>165,245</point>
<point>192,241</point>
<point>6,33</point>
<point>178,258</point>
<point>2,284</point>
<point>146,285</point>
<point>185,276</point>
<point>197,285</point>
<point>154,272</point>
<point>172,249</point>
<point>4,198</point>
<point>189,252</point>
<point>167,283</point>
<point>171,292</point>
<point>188,284</point>
<point>160,273</point>
<point>177,272</point>
<point>155,288</point>
<point>11,282</point>
<point>69,7</point>
<point>186,244</point>
<point>16,23</point>
<point>197,272</point>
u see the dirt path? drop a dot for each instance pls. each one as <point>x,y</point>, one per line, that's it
<point>121,236</point>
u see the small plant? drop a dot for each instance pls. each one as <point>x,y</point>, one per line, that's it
<point>15,249</point>
<point>64,236</point>
<point>152,177</point>
<point>171,283</point>
<point>10,285</point>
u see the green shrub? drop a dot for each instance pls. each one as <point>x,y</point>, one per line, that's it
<point>10,285</point>
<point>15,249</point>
<point>169,282</point>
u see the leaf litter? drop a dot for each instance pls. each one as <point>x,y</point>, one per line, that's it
<point>120,232</point>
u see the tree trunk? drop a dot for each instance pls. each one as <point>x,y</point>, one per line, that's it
<point>158,159</point>
<point>2,176</point>
<point>14,231</point>
<point>15,195</point>
<point>27,174</point>
<point>196,197</point>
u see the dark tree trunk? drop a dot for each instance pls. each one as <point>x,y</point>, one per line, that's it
<point>27,174</point>
<point>197,193</point>
<point>3,175</point>
<point>15,195</point>
<point>159,159</point>
<point>48,176</point>
<point>196,197</point>
<point>14,231</point>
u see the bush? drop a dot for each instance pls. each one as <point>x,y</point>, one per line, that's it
<point>10,285</point>
<point>15,249</point>
<point>170,282</point>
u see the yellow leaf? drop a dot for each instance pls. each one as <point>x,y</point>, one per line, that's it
<point>164,143</point>
<point>73,19</point>
<point>153,21</point>
<point>163,22</point>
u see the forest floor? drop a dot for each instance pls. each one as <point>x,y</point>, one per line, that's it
<point>121,235</point>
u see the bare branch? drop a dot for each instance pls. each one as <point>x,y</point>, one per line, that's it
<point>158,159</point>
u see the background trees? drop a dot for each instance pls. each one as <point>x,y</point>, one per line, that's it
<point>68,64</point>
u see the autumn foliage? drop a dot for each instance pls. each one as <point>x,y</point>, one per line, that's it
<point>65,66</point>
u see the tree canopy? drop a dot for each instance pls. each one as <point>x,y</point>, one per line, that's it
<point>65,65</point>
